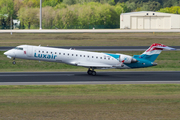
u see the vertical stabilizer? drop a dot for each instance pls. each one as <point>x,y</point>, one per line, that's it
<point>153,51</point>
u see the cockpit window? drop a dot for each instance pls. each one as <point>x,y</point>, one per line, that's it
<point>18,48</point>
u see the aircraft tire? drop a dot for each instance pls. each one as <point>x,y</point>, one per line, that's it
<point>13,62</point>
<point>89,72</point>
<point>93,73</point>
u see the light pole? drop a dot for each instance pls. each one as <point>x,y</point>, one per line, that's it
<point>40,17</point>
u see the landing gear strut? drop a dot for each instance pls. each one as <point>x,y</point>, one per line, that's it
<point>91,72</point>
<point>13,61</point>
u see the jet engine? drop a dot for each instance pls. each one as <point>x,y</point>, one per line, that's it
<point>127,59</point>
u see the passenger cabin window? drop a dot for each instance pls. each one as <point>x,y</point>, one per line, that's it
<point>80,55</point>
<point>51,52</point>
<point>68,54</point>
<point>46,51</point>
<point>84,56</point>
<point>76,55</point>
<point>39,51</point>
<point>59,53</point>
<point>55,52</point>
<point>63,53</point>
<point>42,51</point>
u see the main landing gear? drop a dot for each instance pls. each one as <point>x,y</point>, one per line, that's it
<point>13,61</point>
<point>91,72</point>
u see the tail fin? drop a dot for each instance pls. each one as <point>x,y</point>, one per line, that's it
<point>154,50</point>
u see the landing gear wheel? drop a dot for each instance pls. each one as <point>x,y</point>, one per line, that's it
<point>94,73</point>
<point>13,62</point>
<point>89,72</point>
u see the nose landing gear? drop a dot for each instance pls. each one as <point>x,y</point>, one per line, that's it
<point>91,72</point>
<point>13,61</point>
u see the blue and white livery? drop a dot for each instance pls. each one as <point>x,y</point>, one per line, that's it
<point>90,60</point>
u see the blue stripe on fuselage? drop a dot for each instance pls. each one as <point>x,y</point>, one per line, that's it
<point>151,58</point>
<point>113,55</point>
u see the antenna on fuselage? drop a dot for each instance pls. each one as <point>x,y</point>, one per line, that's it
<point>39,45</point>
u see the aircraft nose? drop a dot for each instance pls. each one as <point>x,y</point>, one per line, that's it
<point>6,53</point>
<point>9,53</point>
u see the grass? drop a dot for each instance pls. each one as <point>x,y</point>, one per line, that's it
<point>90,39</point>
<point>90,102</point>
<point>97,102</point>
<point>167,61</point>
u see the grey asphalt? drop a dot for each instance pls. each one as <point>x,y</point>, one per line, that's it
<point>61,78</point>
<point>100,48</point>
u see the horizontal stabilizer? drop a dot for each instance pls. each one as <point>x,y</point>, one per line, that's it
<point>166,48</point>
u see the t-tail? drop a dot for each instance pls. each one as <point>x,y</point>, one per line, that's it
<point>153,51</point>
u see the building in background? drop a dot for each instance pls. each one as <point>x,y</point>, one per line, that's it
<point>149,20</point>
<point>16,23</point>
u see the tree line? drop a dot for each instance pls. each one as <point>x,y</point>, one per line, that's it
<point>78,13</point>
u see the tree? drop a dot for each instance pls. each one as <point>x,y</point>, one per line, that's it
<point>31,3</point>
<point>60,6</point>
<point>122,8</point>
<point>6,7</point>
<point>29,17</point>
<point>173,9</point>
<point>6,11</point>
<point>17,5</point>
<point>48,15</point>
<point>131,6</point>
<point>51,3</point>
<point>151,6</point>
<point>69,2</point>
<point>111,2</point>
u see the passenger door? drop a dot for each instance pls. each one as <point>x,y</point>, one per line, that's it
<point>29,51</point>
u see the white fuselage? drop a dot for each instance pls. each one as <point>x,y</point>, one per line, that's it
<point>69,56</point>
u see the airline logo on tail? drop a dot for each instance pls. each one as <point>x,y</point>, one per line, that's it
<point>155,46</point>
<point>153,51</point>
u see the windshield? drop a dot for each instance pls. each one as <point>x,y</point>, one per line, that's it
<point>18,48</point>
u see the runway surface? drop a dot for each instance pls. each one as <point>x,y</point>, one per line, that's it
<point>100,48</point>
<point>61,78</point>
<point>84,31</point>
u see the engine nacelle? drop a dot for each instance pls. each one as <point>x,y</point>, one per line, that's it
<point>127,59</point>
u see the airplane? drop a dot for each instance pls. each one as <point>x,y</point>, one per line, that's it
<point>90,60</point>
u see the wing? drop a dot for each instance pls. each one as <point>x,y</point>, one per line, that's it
<point>94,65</point>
